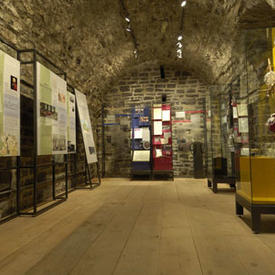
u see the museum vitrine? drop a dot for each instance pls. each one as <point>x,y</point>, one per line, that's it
<point>220,139</point>
<point>256,120</point>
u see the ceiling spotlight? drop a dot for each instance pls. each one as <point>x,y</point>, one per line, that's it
<point>183,3</point>
<point>179,44</point>
<point>128,29</point>
<point>179,37</point>
<point>127,19</point>
<point>179,53</point>
<point>135,53</point>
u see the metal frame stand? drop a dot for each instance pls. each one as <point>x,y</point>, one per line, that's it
<point>17,167</point>
<point>255,209</point>
<point>61,197</point>
<point>213,182</point>
<point>88,185</point>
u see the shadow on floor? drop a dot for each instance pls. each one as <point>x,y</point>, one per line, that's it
<point>267,223</point>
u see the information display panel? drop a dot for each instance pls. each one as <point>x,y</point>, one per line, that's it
<point>51,112</point>
<point>86,127</point>
<point>71,129</point>
<point>9,105</point>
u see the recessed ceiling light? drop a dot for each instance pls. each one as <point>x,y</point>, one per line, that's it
<point>183,3</point>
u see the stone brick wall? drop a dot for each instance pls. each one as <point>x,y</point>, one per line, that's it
<point>143,86</point>
<point>58,34</point>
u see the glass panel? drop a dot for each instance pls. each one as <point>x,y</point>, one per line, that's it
<point>257,150</point>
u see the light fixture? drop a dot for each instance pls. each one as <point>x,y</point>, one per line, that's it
<point>179,44</point>
<point>127,19</point>
<point>179,37</point>
<point>183,3</point>
<point>128,29</point>
<point>135,53</point>
<point>179,53</point>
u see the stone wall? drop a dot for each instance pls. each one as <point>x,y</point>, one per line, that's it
<point>56,30</point>
<point>143,86</point>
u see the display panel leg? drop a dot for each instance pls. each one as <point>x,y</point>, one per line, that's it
<point>215,186</point>
<point>239,209</point>
<point>66,176</point>
<point>18,164</point>
<point>35,188</point>
<point>255,221</point>
<point>209,184</point>
<point>98,174</point>
<point>53,179</point>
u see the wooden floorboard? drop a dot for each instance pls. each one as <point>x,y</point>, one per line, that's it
<point>139,228</point>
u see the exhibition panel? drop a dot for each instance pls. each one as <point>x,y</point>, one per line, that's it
<point>255,188</point>
<point>141,141</point>
<point>9,105</point>
<point>71,125</point>
<point>49,134</point>
<point>88,139</point>
<point>86,127</point>
<point>52,109</point>
<point>10,138</point>
<point>162,139</point>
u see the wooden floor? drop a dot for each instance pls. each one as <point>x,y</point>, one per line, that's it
<point>139,227</point>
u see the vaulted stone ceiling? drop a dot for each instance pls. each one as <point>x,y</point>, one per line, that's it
<point>210,31</point>
<point>89,39</point>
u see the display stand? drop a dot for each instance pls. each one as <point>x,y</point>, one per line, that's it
<point>15,165</point>
<point>256,108</point>
<point>218,172</point>
<point>30,58</point>
<point>89,184</point>
<point>141,143</point>
<point>162,142</point>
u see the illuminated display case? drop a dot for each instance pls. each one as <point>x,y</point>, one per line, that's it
<point>256,155</point>
<point>220,130</point>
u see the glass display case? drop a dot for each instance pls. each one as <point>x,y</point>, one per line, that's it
<point>256,128</point>
<point>220,128</point>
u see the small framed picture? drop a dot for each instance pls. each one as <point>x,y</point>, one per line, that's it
<point>14,84</point>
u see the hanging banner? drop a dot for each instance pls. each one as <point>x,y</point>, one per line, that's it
<point>71,129</point>
<point>86,128</point>
<point>9,105</point>
<point>51,112</point>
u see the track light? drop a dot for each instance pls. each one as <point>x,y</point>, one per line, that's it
<point>179,53</point>
<point>179,37</point>
<point>183,3</point>
<point>127,19</point>
<point>128,29</point>
<point>179,44</point>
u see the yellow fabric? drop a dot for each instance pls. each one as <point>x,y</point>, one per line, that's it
<point>244,186</point>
